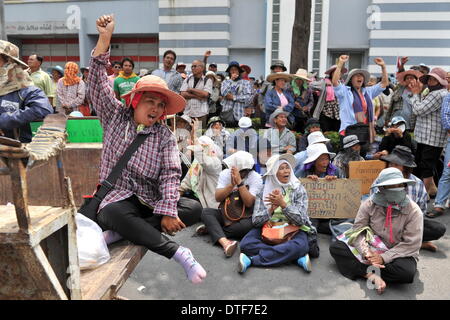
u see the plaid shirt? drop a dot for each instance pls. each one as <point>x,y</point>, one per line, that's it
<point>416,192</point>
<point>71,96</point>
<point>172,78</point>
<point>242,90</point>
<point>195,107</point>
<point>153,172</point>
<point>428,129</point>
<point>445,112</point>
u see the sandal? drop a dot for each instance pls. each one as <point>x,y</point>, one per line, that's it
<point>201,230</point>
<point>434,214</point>
<point>230,249</point>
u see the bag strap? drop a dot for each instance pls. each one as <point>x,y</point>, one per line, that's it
<point>227,202</point>
<point>108,184</point>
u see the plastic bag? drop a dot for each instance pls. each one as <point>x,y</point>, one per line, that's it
<point>92,248</point>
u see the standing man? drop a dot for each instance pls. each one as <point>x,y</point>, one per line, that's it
<point>126,78</point>
<point>196,89</point>
<point>171,76</point>
<point>116,68</point>
<point>40,78</point>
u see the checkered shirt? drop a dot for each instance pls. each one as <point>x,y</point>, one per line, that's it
<point>196,108</point>
<point>172,78</point>
<point>153,173</point>
<point>242,90</point>
<point>429,129</point>
<point>445,112</point>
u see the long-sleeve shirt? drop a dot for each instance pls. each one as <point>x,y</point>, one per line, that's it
<point>242,91</point>
<point>407,227</point>
<point>153,173</point>
<point>272,102</point>
<point>296,211</point>
<point>279,141</point>
<point>71,96</point>
<point>445,112</point>
<point>172,78</point>
<point>429,129</point>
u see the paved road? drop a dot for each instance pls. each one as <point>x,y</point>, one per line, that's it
<point>165,279</point>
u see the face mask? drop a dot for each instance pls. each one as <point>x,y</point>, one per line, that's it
<point>396,195</point>
<point>402,127</point>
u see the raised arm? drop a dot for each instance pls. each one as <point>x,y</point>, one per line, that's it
<point>385,78</point>
<point>337,73</point>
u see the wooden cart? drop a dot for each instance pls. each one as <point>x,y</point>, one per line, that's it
<point>38,245</point>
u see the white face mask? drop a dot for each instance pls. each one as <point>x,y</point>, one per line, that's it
<point>402,127</point>
<point>396,189</point>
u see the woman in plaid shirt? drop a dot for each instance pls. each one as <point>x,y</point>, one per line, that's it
<point>144,199</point>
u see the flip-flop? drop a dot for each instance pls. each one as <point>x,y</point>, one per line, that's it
<point>434,214</point>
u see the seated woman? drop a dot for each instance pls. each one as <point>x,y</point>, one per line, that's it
<point>201,180</point>
<point>351,152</point>
<point>318,165</point>
<point>396,135</point>
<point>282,201</point>
<point>238,181</point>
<point>387,235</point>
<point>217,132</point>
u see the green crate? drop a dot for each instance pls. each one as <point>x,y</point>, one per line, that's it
<point>79,130</point>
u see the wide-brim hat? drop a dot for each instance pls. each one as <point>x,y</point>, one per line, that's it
<point>353,72</point>
<point>333,68</point>
<point>278,63</point>
<point>186,118</point>
<point>401,155</point>
<point>234,64</point>
<point>278,157</point>
<point>438,73</point>
<point>390,177</point>
<point>56,68</point>
<point>82,69</point>
<point>317,137</point>
<point>279,75</point>
<point>315,151</point>
<point>350,141</point>
<point>175,102</point>
<point>11,51</point>
<point>402,75</point>
<point>275,114</point>
<point>214,120</point>
<point>302,74</point>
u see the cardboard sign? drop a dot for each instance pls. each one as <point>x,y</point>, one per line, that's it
<point>366,172</point>
<point>332,199</point>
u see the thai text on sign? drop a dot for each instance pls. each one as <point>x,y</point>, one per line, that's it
<point>366,172</point>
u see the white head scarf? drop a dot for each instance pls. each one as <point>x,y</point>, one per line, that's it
<point>272,182</point>
<point>211,148</point>
<point>241,160</point>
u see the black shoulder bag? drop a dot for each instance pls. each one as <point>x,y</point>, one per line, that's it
<point>91,204</point>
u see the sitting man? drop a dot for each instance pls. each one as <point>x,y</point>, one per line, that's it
<point>143,201</point>
<point>281,138</point>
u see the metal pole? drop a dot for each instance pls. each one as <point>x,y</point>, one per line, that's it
<point>2,21</point>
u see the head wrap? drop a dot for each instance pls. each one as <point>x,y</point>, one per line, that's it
<point>272,182</point>
<point>71,74</point>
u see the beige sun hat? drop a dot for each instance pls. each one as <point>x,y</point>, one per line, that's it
<point>302,74</point>
<point>12,51</point>
<point>279,75</point>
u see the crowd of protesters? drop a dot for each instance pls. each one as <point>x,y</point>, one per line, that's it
<point>227,149</point>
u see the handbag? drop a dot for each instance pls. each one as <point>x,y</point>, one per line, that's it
<point>273,233</point>
<point>91,203</point>
<point>233,209</point>
<point>228,117</point>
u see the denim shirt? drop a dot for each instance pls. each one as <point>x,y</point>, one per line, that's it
<point>345,97</point>
<point>272,102</point>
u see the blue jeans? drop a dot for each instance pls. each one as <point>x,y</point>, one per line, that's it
<point>444,182</point>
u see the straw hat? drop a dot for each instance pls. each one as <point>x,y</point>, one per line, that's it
<point>353,72</point>
<point>402,75</point>
<point>279,75</point>
<point>391,177</point>
<point>315,151</point>
<point>302,74</point>
<point>333,68</point>
<point>175,102</point>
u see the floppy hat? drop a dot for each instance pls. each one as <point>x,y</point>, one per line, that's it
<point>241,160</point>
<point>186,118</point>
<point>353,72</point>
<point>82,69</point>
<point>246,68</point>
<point>234,64</point>
<point>350,141</point>
<point>175,102</point>
<point>390,177</point>
<point>245,122</point>
<point>402,75</point>
<point>57,68</point>
<point>439,74</point>
<point>278,157</point>
<point>333,68</point>
<point>302,74</point>
<point>278,63</point>
<point>11,51</point>
<point>315,151</point>
<point>214,120</point>
<point>275,114</point>
<point>279,75</point>
<point>316,137</point>
<point>396,120</point>
<point>401,155</point>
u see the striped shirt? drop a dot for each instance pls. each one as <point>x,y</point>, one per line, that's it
<point>153,173</point>
<point>243,92</point>
<point>196,107</point>
<point>429,129</point>
<point>172,78</point>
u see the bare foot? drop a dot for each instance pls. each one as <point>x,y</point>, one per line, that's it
<point>429,246</point>
<point>379,283</point>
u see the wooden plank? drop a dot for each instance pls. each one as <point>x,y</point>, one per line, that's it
<point>20,193</point>
<point>105,281</point>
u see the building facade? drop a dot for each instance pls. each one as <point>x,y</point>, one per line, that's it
<point>252,32</point>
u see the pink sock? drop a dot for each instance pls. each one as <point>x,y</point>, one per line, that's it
<point>111,236</point>
<point>194,270</point>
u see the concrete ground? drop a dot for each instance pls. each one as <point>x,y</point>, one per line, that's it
<point>158,278</point>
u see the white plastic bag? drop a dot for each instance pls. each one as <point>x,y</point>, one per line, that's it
<point>92,248</point>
